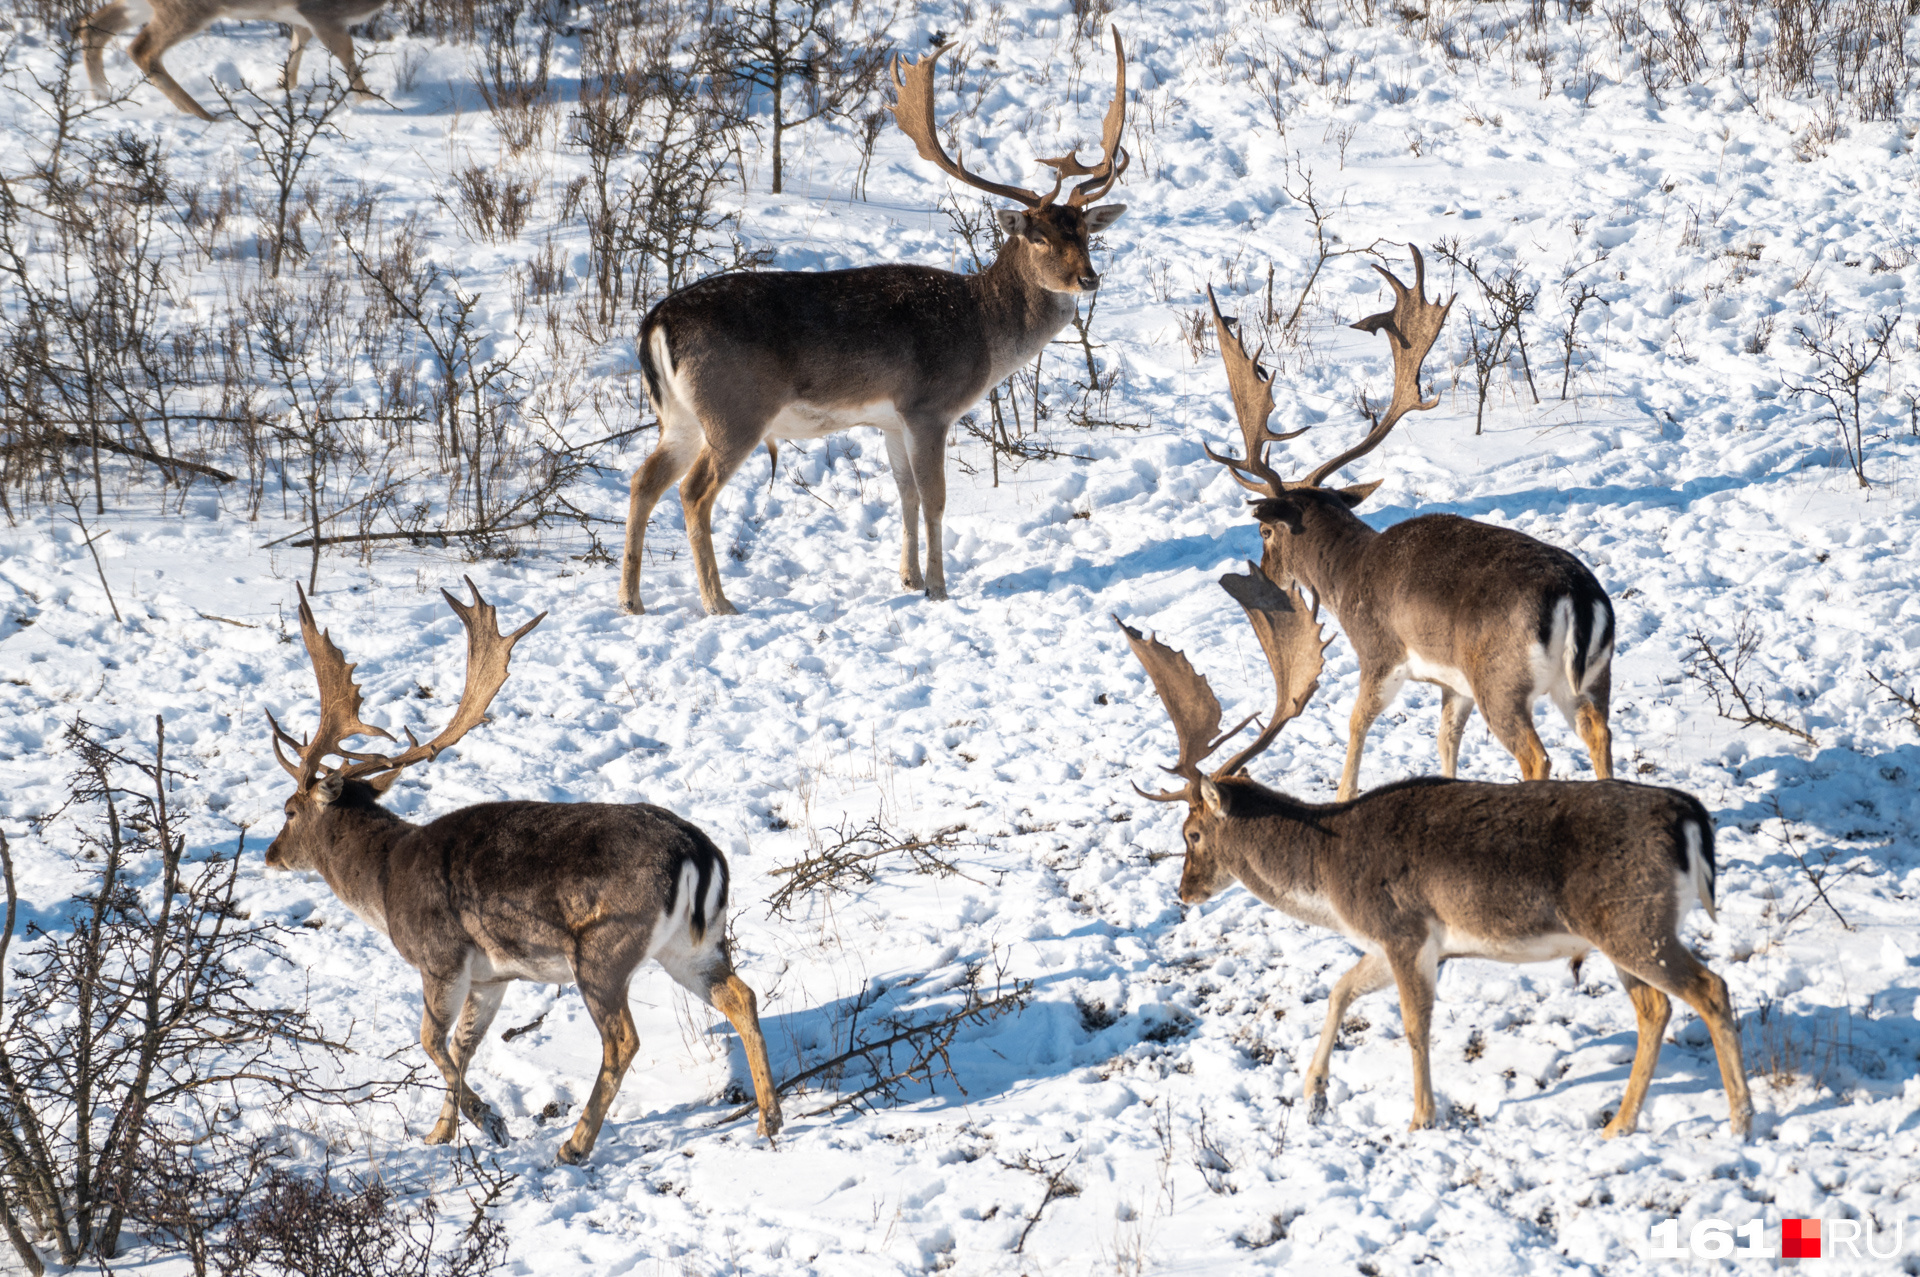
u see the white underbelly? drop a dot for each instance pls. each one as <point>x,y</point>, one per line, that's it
<point>539,968</point>
<point>801,420</point>
<point>1423,670</point>
<point>1547,948</point>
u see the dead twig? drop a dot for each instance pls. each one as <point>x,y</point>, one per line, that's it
<point>1908,700</point>
<point>1817,876</point>
<point>1054,1171</point>
<point>1735,697</point>
<point>853,857</point>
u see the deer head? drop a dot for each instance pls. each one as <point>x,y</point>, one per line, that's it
<point>1411,328</point>
<point>1053,235</point>
<point>1289,633</point>
<point>317,787</point>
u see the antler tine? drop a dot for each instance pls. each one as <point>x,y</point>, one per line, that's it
<point>1290,635</point>
<point>1114,158</point>
<point>339,700</point>
<point>488,654</point>
<point>1189,702</point>
<point>1411,327</point>
<point>913,112</point>
<point>1252,388</point>
<point>281,734</point>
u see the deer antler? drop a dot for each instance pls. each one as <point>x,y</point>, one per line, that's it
<point>1411,327</point>
<point>1289,634</point>
<point>1252,388</point>
<point>1114,157</point>
<point>913,111</point>
<point>488,653</point>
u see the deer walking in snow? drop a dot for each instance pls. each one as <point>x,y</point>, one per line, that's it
<point>737,360</point>
<point>557,893</point>
<point>1426,870</point>
<point>1492,616</point>
<point>166,23</point>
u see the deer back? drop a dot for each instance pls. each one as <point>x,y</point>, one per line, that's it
<point>1492,865</point>
<point>528,884</point>
<point>1447,592</point>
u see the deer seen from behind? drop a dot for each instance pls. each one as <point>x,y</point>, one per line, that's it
<point>1491,615</point>
<point>166,23</point>
<point>1422,871</point>
<point>556,893</point>
<point>740,359</point>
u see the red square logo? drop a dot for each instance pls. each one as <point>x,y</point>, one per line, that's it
<point>1799,1239</point>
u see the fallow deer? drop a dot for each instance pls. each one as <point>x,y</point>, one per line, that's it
<point>1426,870</point>
<point>736,360</point>
<point>555,893</point>
<point>168,22</point>
<point>1491,615</point>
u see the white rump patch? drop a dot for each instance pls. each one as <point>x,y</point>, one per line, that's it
<point>1695,879</point>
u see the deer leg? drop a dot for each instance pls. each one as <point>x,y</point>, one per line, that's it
<point>713,981</point>
<point>1370,973</point>
<point>1652,1008</point>
<point>1415,973</point>
<point>619,1042</point>
<point>1455,710</point>
<point>1590,720</point>
<point>101,26</point>
<point>698,491</point>
<point>1673,970</point>
<point>1376,693</point>
<point>340,44</point>
<point>902,465</point>
<point>442,996</point>
<point>679,444</point>
<point>156,38</point>
<point>291,75</point>
<point>476,1016</point>
<point>927,449</point>
<point>1706,993</point>
<point>1511,719</point>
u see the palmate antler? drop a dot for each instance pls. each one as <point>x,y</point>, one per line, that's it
<point>1411,327</point>
<point>1289,634</point>
<point>913,111</point>
<point>488,653</point>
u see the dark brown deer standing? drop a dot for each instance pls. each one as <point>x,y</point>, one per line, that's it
<point>556,893</point>
<point>168,22</point>
<point>1492,616</point>
<point>737,360</point>
<point>1426,870</point>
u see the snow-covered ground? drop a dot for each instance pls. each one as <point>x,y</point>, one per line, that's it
<point>1159,1060</point>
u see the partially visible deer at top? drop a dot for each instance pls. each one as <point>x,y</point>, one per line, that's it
<point>557,893</point>
<point>1426,870</point>
<point>740,359</point>
<point>168,22</point>
<point>1492,616</point>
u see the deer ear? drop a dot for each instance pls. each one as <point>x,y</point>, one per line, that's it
<point>1210,795</point>
<point>328,788</point>
<point>1012,221</point>
<point>1101,216</point>
<point>1358,492</point>
<point>1280,510</point>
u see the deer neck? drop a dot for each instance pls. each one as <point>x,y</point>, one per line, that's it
<point>1280,853</point>
<point>355,858</point>
<point>1021,314</point>
<point>1329,558</point>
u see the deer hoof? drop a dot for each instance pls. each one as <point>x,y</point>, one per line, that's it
<point>494,1125</point>
<point>572,1156</point>
<point>771,1122</point>
<point>442,1132</point>
<point>721,607</point>
<point>937,593</point>
<point>1317,1108</point>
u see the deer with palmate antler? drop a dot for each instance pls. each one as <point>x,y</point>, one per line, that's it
<point>1492,616</point>
<point>1426,870</point>
<point>742,359</point>
<point>168,22</point>
<point>556,893</point>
